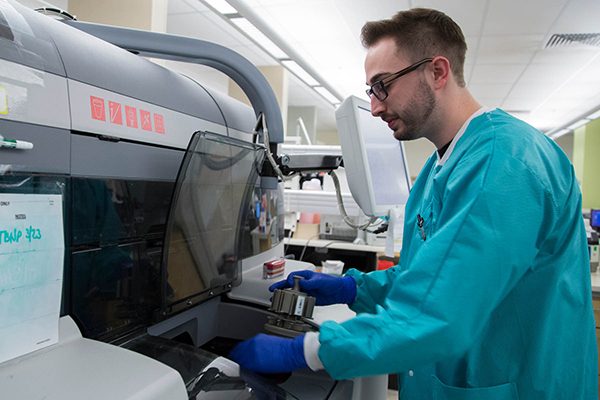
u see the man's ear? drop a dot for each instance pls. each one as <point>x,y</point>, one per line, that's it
<point>441,71</point>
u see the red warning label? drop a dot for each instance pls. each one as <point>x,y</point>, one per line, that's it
<point>119,113</point>
<point>146,122</point>
<point>97,108</point>
<point>116,115</point>
<point>159,123</point>
<point>131,116</point>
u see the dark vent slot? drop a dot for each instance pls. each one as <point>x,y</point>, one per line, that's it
<point>573,39</point>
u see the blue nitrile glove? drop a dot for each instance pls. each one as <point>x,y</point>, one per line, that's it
<point>270,354</point>
<point>325,288</point>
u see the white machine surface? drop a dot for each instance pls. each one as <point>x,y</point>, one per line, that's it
<point>374,160</point>
<point>77,368</point>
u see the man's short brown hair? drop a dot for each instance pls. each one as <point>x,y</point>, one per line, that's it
<point>422,33</point>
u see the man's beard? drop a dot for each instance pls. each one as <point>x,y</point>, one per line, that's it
<point>416,115</point>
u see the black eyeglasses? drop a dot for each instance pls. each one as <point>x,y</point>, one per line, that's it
<point>378,89</point>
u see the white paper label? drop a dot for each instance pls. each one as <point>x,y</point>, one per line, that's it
<point>31,272</point>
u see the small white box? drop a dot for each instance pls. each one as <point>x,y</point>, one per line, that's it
<point>333,267</point>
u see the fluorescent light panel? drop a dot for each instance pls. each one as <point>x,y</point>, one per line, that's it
<point>300,72</point>
<point>327,94</point>
<point>221,6</point>
<point>259,37</point>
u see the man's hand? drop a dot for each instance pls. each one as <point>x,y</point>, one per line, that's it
<point>325,288</point>
<point>270,354</point>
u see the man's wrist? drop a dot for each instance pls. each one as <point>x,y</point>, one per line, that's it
<point>311,351</point>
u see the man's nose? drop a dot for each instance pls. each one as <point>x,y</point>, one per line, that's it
<point>377,106</point>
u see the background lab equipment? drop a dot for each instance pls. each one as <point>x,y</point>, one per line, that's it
<point>376,169</point>
<point>165,230</point>
<point>593,242</point>
<point>374,160</point>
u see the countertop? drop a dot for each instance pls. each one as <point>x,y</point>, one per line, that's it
<point>334,244</point>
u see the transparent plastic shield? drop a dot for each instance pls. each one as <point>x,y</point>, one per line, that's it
<point>213,198</point>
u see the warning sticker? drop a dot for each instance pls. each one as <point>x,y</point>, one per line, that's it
<point>131,116</point>
<point>97,108</point>
<point>3,101</point>
<point>145,119</point>
<point>159,123</point>
<point>116,115</point>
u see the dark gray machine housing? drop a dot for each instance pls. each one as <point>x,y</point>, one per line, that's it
<point>64,90</point>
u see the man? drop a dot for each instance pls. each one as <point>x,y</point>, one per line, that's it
<point>492,296</point>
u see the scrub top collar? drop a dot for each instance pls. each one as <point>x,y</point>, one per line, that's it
<point>442,160</point>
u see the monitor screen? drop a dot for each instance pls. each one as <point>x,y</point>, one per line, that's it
<point>374,160</point>
<point>595,219</point>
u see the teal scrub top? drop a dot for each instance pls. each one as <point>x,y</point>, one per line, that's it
<point>492,295</point>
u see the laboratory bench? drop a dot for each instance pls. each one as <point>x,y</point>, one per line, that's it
<point>360,256</point>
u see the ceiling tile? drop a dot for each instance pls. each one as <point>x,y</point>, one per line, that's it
<point>519,103</point>
<point>328,19</point>
<point>514,17</point>
<point>469,15</point>
<point>579,16</point>
<point>566,56</point>
<point>205,26</point>
<point>356,13</point>
<point>508,49</point>
<point>549,74</point>
<point>491,73</point>
<point>490,90</point>
<point>536,92</point>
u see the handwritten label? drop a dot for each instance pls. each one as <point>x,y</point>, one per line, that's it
<point>9,236</point>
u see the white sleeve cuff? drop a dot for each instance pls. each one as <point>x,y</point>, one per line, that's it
<point>311,351</point>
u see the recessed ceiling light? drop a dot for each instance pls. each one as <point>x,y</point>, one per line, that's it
<point>255,34</point>
<point>300,72</point>
<point>327,94</point>
<point>221,6</point>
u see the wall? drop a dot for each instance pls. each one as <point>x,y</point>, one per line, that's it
<point>586,159</point>
<point>417,153</point>
<point>149,15</point>
<point>309,117</point>
<point>278,79</point>
<point>566,144</point>
<point>328,138</point>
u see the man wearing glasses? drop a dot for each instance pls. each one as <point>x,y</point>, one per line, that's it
<point>492,296</point>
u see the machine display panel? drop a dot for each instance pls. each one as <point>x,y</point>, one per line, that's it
<point>374,160</point>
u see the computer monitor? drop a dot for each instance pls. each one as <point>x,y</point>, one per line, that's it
<point>595,219</point>
<point>374,160</point>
